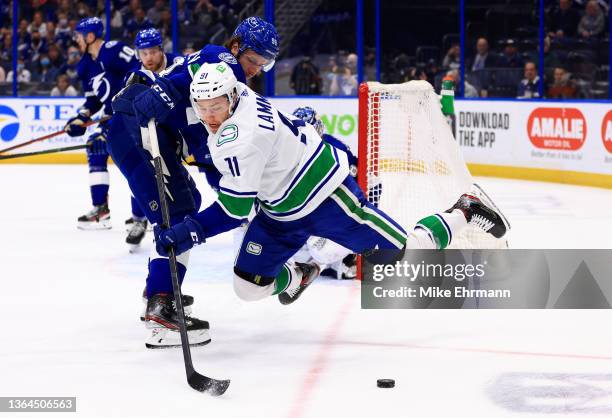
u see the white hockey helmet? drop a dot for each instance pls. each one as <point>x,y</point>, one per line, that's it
<point>212,81</point>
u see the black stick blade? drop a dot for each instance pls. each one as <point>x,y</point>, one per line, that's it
<point>211,386</point>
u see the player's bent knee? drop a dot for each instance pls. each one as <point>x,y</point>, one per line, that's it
<point>251,287</point>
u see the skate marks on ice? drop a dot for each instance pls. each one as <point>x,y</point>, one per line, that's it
<point>553,393</point>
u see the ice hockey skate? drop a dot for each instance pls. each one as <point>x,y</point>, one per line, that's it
<point>136,234</point>
<point>309,273</point>
<point>97,218</point>
<point>482,213</point>
<point>187,304</point>
<point>161,317</point>
<point>129,222</point>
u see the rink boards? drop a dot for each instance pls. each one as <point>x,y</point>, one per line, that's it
<point>567,142</point>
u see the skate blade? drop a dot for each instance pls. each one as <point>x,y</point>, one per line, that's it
<point>480,193</point>
<point>95,226</point>
<point>167,338</point>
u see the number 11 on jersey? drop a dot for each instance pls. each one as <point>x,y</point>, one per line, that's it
<point>232,162</point>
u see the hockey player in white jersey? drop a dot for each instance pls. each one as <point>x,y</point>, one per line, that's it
<point>303,188</point>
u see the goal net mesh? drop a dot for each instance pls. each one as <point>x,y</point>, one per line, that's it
<point>413,167</point>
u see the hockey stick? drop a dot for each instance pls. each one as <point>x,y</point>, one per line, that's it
<point>197,381</point>
<point>42,138</point>
<point>48,151</point>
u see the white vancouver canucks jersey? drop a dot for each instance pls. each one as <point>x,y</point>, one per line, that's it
<point>268,155</point>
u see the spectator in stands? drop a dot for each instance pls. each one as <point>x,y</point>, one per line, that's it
<point>6,48</point>
<point>482,59</point>
<point>189,49</point>
<point>66,8</point>
<point>63,34</point>
<point>452,59</point>
<point>468,89</point>
<point>165,27</point>
<point>184,14</point>
<point>511,57</point>
<point>2,75</point>
<point>351,62</point>
<point>55,57</point>
<point>592,23</point>
<point>529,87</point>
<point>416,73</point>
<point>564,20</point>
<point>51,29</point>
<point>305,79</point>
<point>35,48</point>
<point>551,58</point>
<point>343,82</point>
<point>70,67</point>
<point>137,23</point>
<point>23,74</point>
<point>45,72</point>
<point>129,11</point>
<point>154,14</point>
<point>63,87</point>
<point>38,24</point>
<point>562,87</point>
<point>82,10</point>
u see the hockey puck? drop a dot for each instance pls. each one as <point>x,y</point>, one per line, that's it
<point>385,383</point>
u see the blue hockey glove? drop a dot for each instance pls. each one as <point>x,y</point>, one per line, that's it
<point>74,126</point>
<point>156,102</point>
<point>182,236</point>
<point>96,143</point>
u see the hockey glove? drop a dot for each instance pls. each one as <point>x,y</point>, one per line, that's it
<point>74,126</point>
<point>182,237</point>
<point>96,143</point>
<point>156,102</point>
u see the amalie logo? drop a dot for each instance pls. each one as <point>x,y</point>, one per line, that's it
<point>557,128</point>
<point>606,131</point>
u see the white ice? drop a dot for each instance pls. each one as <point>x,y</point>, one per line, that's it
<point>71,299</point>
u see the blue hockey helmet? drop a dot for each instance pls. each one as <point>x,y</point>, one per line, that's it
<point>148,38</point>
<point>90,25</point>
<point>309,115</point>
<point>260,36</point>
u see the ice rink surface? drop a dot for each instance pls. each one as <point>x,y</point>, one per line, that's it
<point>71,301</point>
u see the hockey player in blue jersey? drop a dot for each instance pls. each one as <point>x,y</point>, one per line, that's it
<point>148,45</point>
<point>252,48</point>
<point>102,70</point>
<point>303,187</point>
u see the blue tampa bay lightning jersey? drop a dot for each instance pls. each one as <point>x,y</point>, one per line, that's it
<point>103,77</point>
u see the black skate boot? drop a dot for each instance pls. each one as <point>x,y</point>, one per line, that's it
<point>187,304</point>
<point>349,267</point>
<point>481,215</point>
<point>136,234</point>
<point>309,273</point>
<point>97,218</point>
<point>162,319</point>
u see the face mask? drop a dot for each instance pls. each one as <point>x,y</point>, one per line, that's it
<point>19,67</point>
<point>63,22</point>
<point>45,61</point>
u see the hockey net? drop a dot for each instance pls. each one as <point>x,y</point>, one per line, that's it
<point>409,162</point>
